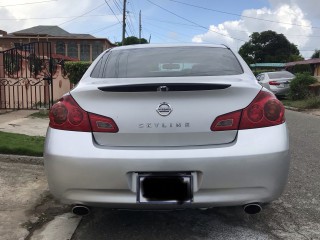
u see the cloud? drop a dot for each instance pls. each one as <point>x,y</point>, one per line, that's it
<point>310,6</point>
<point>56,13</point>
<point>235,33</point>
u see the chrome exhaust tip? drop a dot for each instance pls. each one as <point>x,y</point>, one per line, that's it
<point>252,208</point>
<point>81,210</point>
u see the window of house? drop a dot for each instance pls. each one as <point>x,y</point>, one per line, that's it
<point>60,48</point>
<point>97,48</point>
<point>24,47</point>
<point>73,49</point>
<point>84,51</point>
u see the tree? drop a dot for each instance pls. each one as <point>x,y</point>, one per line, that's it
<point>269,46</point>
<point>132,40</point>
<point>316,54</point>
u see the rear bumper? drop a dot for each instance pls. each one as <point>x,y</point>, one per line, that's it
<point>280,91</point>
<point>253,168</point>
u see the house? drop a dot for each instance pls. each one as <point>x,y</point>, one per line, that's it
<point>264,67</point>
<point>84,47</point>
<point>32,57</point>
<point>314,63</point>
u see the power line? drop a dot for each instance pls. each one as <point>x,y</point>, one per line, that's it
<point>131,29</point>
<point>117,5</point>
<point>112,11</point>
<point>82,14</point>
<point>208,29</point>
<point>30,3</point>
<point>43,18</point>
<point>182,34</point>
<point>167,29</point>
<point>132,25</point>
<point>101,29</point>
<point>192,25</point>
<point>170,22</point>
<point>133,10</point>
<point>73,18</point>
<point>240,15</point>
<point>158,35</point>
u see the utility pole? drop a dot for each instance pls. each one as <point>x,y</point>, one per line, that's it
<point>124,21</point>
<point>140,27</point>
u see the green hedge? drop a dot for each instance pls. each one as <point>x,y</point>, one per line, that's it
<point>76,70</point>
<point>299,86</point>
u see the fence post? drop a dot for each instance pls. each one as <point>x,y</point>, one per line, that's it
<point>2,96</point>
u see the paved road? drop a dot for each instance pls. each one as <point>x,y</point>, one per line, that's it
<point>296,215</point>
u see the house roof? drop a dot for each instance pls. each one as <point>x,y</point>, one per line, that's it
<point>52,31</point>
<point>304,62</point>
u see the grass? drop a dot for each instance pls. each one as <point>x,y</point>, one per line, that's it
<point>309,103</point>
<point>39,115</point>
<point>19,144</point>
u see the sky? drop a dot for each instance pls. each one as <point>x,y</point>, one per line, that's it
<point>228,22</point>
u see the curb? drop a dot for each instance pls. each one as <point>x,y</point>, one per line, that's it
<point>294,109</point>
<point>21,159</point>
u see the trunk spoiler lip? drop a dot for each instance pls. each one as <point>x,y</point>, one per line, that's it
<point>165,87</point>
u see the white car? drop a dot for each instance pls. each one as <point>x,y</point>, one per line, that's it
<point>277,82</point>
<point>167,127</point>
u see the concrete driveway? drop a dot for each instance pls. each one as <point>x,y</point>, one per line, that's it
<point>20,122</point>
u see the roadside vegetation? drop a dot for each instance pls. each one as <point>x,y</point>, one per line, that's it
<point>19,144</point>
<point>309,103</point>
<point>40,115</point>
<point>300,95</point>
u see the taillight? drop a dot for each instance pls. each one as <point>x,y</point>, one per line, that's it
<point>274,83</point>
<point>68,115</point>
<point>229,121</point>
<point>264,111</point>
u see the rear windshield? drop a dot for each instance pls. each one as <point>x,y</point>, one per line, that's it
<point>167,62</point>
<point>276,75</point>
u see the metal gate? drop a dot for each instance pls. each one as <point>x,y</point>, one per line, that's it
<point>26,77</point>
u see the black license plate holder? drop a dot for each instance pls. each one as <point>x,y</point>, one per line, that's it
<point>161,188</point>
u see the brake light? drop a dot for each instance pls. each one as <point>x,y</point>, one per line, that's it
<point>264,111</point>
<point>68,115</point>
<point>274,83</point>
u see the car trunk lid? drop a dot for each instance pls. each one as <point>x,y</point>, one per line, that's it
<point>165,113</point>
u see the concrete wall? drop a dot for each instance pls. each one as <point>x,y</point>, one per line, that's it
<point>317,71</point>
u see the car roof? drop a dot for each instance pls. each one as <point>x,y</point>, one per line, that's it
<point>277,72</point>
<point>136,46</point>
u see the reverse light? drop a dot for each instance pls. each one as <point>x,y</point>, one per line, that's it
<point>102,124</point>
<point>68,115</point>
<point>229,121</point>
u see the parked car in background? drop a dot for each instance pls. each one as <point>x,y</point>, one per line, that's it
<point>277,82</point>
<point>165,127</point>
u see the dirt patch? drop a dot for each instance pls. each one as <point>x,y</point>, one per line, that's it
<point>46,209</point>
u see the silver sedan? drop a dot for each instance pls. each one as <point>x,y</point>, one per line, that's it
<point>167,127</point>
<point>277,82</point>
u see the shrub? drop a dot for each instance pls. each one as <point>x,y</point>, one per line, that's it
<point>76,70</point>
<point>299,86</point>
<point>313,102</point>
